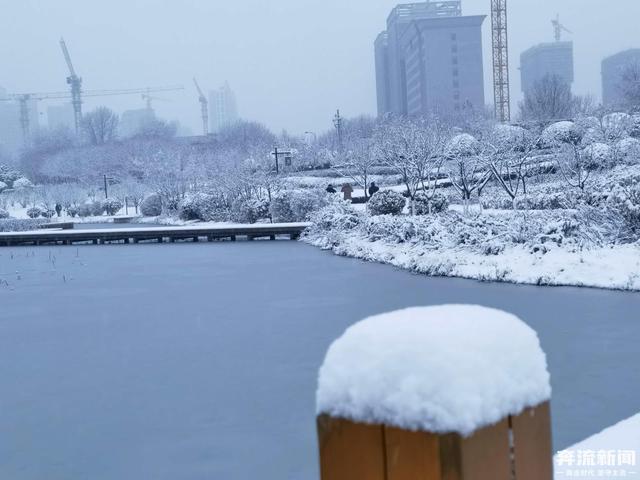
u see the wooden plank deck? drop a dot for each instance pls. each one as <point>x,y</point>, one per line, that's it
<point>153,234</point>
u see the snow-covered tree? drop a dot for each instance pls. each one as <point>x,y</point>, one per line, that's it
<point>466,166</point>
<point>549,98</point>
<point>100,126</point>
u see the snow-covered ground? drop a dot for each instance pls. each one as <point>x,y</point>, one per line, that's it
<point>614,452</point>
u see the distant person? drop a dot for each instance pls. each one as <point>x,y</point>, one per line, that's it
<point>58,209</point>
<point>330,189</point>
<point>347,191</point>
<point>373,189</point>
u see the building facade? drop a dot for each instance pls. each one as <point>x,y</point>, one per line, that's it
<point>223,109</point>
<point>613,68</point>
<point>429,60</point>
<point>554,58</point>
<point>133,122</point>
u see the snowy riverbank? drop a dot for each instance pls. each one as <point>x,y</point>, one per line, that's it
<point>538,249</point>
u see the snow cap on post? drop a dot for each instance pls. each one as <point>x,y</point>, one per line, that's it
<point>441,369</point>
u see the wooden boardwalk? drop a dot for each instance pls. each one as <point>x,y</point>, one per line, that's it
<point>153,234</point>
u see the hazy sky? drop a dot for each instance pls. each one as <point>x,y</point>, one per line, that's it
<point>290,62</point>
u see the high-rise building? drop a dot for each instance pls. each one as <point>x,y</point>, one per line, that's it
<point>613,68</point>
<point>429,60</point>
<point>12,135</point>
<point>132,122</point>
<point>554,58</point>
<point>61,116</point>
<point>223,109</point>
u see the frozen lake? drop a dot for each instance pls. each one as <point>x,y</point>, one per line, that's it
<point>199,361</point>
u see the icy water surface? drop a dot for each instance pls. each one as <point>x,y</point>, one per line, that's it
<point>199,361</point>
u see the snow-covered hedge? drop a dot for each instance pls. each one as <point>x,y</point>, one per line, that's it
<point>423,205</point>
<point>296,206</point>
<point>249,210</point>
<point>386,202</point>
<point>204,207</point>
<point>34,212</point>
<point>151,206</point>
<point>20,224</point>
<point>112,206</point>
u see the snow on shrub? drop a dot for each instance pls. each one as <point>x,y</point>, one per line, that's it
<point>617,125</point>
<point>3,186</point>
<point>72,210</point>
<point>452,368</point>
<point>510,137</point>
<point>151,206</point>
<point>22,184</point>
<point>96,207</point>
<point>203,206</point>
<point>438,203</point>
<point>597,156</point>
<point>84,210</point>
<point>20,224</point>
<point>3,214</point>
<point>462,145</point>
<point>249,210</point>
<point>628,150</point>
<point>296,206</point>
<point>337,215</point>
<point>34,212</point>
<point>48,212</point>
<point>386,202</point>
<point>112,206</point>
<point>625,200</point>
<point>562,132</point>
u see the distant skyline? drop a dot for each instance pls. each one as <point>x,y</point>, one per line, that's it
<point>290,63</point>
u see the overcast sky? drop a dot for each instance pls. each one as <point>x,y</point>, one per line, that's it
<point>290,62</point>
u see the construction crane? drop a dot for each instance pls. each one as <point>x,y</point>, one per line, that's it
<point>75,82</point>
<point>500,44</point>
<point>558,28</point>
<point>204,108</point>
<point>23,100</point>
<point>149,99</point>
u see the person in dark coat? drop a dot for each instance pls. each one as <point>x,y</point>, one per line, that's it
<point>373,189</point>
<point>330,189</point>
<point>58,209</point>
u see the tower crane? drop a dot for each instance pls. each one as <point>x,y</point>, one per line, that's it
<point>204,107</point>
<point>500,44</point>
<point>75,82</point>
<point>23,100</point>
<point>558,28</point>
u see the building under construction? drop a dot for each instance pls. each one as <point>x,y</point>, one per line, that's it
<point>429,60</point>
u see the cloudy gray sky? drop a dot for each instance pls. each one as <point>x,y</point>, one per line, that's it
<point>291,62</point>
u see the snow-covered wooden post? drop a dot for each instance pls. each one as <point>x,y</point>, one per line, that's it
<point>437,393</point>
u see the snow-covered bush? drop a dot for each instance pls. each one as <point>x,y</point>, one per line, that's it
<point>439,202</point>
<point>462,145</point>
<point>3,186</point>
<point>34,212</point>
<point>151,206</point>
<point>112,206</point>
<point>625,200</point>
<point>386,202</point>
<point>296,206</point>
<point>337,215</point>
<point>598,156</point>
<point>3,213</point>
<point>20,224</point>
<point>84,210</point>
<point>97,208</point>
<point>617,125</point>
<point>204,207</point>
<point>628,150</point>
<point>280,208</point>
<point>48,212</point>
<point>72,210</point>
<point>249,210</point>
<point>22,183</point>
<point>562,132</point>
